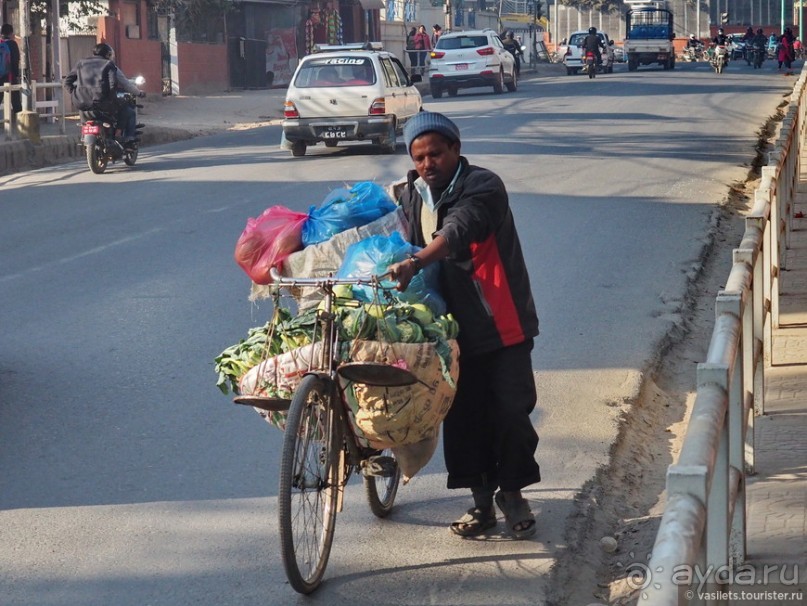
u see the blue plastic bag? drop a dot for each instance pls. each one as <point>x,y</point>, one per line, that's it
<point>345,208</point>
<point>373,255</point>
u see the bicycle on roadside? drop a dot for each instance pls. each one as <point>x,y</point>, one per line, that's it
<point>321,448</point>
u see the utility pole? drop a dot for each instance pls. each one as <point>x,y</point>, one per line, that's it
<point>28,121</point>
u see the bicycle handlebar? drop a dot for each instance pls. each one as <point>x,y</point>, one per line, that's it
<point>326,281</point>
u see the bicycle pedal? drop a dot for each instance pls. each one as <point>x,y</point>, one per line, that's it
<point>379,467</point>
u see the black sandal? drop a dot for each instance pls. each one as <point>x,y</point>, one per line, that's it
<point>475,522</point>
<point>517,513</point>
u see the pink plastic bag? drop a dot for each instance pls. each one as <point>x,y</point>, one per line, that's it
<point>267,240</point>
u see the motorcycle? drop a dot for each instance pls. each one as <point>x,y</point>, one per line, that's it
<point>591,64</point>
<point>98,136</point>
<point>693,54</point>
<point>757,56</point>
<point>720,58</point>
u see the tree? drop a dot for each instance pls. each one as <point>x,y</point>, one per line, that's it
<point>196,20</point>
<point>75,12</point>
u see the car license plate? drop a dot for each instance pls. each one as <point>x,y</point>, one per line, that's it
<point>333,132</point>
<point>461,66</point>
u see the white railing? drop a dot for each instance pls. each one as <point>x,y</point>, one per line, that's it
<point>704,523</point>
<point>56,105</point>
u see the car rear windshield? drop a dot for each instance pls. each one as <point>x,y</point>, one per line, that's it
<point>457,42</point>
<point>335,71</point>
<point>578,39</point>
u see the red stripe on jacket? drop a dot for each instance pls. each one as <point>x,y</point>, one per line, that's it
<point>489,274</point>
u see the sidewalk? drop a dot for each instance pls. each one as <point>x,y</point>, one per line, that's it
<point>777,493</point>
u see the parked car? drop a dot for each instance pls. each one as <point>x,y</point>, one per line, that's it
<point>354,92</point>
<point>573,59</point>
<point>471,59</point>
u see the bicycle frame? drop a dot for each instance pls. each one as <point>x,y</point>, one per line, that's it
<point>326,367</point>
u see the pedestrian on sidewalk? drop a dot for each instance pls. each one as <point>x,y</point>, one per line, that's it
<point>410,48</point>
<point>460,215</point>
<point>10,70</point>
<point>422,45</point>
<point>437,31</point>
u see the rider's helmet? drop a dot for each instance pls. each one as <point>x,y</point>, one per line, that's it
<point>103,50</point>
<point>760,32</point>
<point>691,36</point>
<point>720,31</point>
<point>592,30</point>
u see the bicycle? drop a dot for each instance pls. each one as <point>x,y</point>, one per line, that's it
<point>321,449</point>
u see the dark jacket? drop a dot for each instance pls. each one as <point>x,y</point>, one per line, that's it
<point>484,278</point>
<point>592,43</point>
<point>13,75</point>
<point>14,50</point>
<point>92,84</point>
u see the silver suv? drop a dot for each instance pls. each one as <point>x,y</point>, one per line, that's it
<point>349,93</point>
<point>470,59</point>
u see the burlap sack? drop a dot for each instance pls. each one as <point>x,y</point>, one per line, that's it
<point>396,416</point>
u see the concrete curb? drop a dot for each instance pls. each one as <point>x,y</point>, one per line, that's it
<point>21,155</point>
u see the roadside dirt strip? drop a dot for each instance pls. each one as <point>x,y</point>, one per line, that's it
<point>610,538</point>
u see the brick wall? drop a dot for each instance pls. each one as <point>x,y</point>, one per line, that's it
<point>202,68</point>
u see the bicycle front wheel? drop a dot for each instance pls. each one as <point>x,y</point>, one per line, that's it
<point>309,484</point>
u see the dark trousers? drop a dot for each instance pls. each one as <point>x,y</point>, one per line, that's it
<point>127,121</point>
<point>16,99</point>
<point>488,437</point>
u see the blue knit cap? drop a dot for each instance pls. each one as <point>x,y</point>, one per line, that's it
<point>429,122</point>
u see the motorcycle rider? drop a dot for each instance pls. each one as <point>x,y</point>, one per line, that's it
<point>759,42</point>
<point>93,84</point>
<point>694,45</point>
<point>512,45</point>
<point>592,43</point>
<point>721,39</point>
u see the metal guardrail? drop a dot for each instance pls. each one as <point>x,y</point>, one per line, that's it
<point>703,527</point>
<point>57,104</point>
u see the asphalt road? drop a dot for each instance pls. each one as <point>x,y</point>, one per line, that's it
<point>128,479</point>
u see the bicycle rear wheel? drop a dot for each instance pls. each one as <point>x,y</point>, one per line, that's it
<point>307,500</point>
<point>381,489</point>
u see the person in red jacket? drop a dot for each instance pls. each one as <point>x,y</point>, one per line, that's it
<point>460,215</point>
<point>423,45</point>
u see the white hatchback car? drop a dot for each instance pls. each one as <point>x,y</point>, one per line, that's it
<point>470,59</point>
<point>573,59</point>
<point>349,93</point>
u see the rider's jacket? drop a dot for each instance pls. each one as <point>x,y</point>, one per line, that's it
<point>592,43</point>
<point>92,84</point>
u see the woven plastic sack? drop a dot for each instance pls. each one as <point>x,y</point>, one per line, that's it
<point>267,240</point>
<point>345,208</point>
